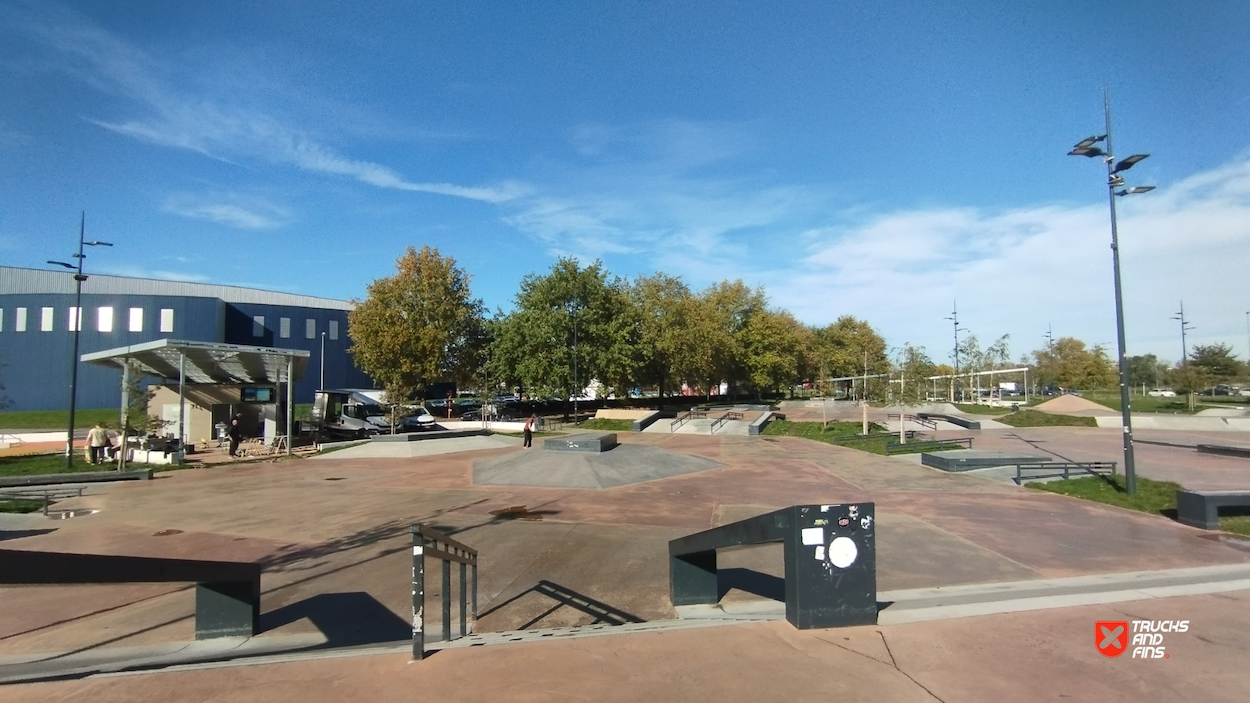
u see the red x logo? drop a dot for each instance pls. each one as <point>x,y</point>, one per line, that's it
<point>1111,638</point>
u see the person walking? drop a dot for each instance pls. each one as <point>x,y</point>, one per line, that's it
<point>235,433</point>
<point>529,430</point>
<point>97,440</point>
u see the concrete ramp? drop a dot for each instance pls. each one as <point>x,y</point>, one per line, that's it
<point>429,447</point>
<point>624,465</point>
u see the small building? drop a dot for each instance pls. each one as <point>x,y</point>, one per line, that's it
<point>38,316</point>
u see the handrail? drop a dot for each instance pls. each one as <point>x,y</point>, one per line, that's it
<point>431,543</point>
<point>1093,468</point>
<point>829,556</point>
<point>683,418</point>
<point>720,421</point>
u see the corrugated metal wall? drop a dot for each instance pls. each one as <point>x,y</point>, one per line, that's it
<point>35,364</point>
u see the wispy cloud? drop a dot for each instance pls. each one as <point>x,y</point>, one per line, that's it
<point>230,211</point>
<point>160,274</point>
<point>213,125</point>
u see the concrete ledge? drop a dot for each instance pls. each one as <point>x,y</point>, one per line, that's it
<point>592,442</point>
<point>428,434</point>
<point>965,459</point>
<point>1225,450</point>
<point>84,477</point>
<point>953,419</point>
<point>650,419</point>
<point>757,426</point>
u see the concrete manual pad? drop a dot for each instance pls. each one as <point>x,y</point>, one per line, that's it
<point>591,442</point>
<point>964,459</point>
<point>429,447</point>
<point>624,465</point>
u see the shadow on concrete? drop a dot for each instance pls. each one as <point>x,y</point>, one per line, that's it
<point>762,585</point>
<point>600,611</point>
<point>18,534</point>
<point>345,619</point>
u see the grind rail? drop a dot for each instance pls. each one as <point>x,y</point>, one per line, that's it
<point>694,414</point>
<point>431,543</point>
<point>720,421</point>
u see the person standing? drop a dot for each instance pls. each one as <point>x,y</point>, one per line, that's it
<point>97,440</point>
<point>529,430</point>
<point>235,433</point>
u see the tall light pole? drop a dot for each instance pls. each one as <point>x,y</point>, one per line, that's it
<point>1086,147</point>
<point>77,322</point>
<point>1185,327</point>
<point>954,318</point>
<point>1050,352</point>
<point>574,306</point>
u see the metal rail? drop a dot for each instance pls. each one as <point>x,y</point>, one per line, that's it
<point>720,421</point>
<point>430,543</point>
<point>931,445</point>
<point>1064,469</point>
<point>47,495</point>
<point>684,418</point>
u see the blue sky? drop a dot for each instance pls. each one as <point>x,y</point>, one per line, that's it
<point>879,161</point>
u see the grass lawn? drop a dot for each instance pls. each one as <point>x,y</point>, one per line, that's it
<point>1155,497</point>
<point>38,464</point>
<point>974,409</point>
<point>1143,403</point>
<point>604,424</point>
<point>57,419</point>
<point>21,506</point>
<point>1036,418</point>
<point>845,434</point>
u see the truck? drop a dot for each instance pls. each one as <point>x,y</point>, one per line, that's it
<point>348,413</point>
<point>358,414</point>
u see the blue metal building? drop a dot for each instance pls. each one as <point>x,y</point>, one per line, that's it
<point>37,317</point>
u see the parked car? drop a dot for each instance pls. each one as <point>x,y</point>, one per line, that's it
<point>418,419</point>
<point>1162,393</point>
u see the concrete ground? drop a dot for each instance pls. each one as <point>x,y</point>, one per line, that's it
<point>333,536</point>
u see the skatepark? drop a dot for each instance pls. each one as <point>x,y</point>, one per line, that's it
<point>986,590</point>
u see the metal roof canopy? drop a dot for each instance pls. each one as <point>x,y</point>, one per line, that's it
<point>207,362</point>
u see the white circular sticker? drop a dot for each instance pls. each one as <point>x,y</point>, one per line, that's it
<point>842,552</point>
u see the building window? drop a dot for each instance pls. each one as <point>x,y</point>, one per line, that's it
<point>258,326</point>
<point>334,329</point>
<point>284,327</point>
<point>45,320</point>
<point>104,319</point>
<point>310,329</point>
<point>136,319</point>
<point>72,319</point>
<point>167,319</point>
<point>1,319</point>
<point>19,319</point>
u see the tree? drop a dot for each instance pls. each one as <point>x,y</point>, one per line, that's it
<point>420,326</point>
<point>1072,365</point>
<point>914,368</point>
<point>1146,370</point>
<point>848,345</point>
<point>667,331</point>
<point>533,344</point>
<point>772,347</point>
<point>1217,361</point>
<point>723,314</point>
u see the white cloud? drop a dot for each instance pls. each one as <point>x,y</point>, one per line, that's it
<point>207,124</point>
<point>230,211</point>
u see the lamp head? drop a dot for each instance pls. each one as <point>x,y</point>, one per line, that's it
<point>62,263</point>
<point>98,244</point>
<point>1090,151</point>
<point>1135,190</point>
<point>1126,164</point>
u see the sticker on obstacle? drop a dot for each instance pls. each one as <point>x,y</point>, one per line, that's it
<point>843,521</point>
<point>843,552</point>
<point>813,535</point>
<point>854,511</point>
<point>866,522</point>
<point>820,553</point>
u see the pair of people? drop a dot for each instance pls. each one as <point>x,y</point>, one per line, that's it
<point>98,443</point>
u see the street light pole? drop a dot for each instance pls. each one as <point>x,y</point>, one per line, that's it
<point>954,318</point>
<point>77,322</point>
<point>1115,180</point>
<point>1185,327</point>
